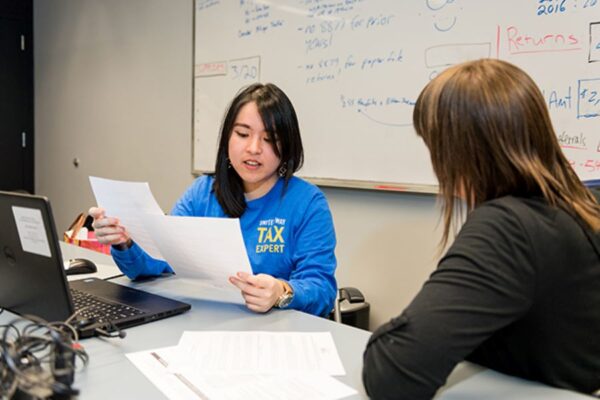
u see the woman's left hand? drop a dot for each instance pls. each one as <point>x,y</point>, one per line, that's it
<point>259,291</point>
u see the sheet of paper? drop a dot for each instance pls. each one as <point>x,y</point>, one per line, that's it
<point>32,231</point>
<point>195,289</point>
<point>131,202</point>
<point>268,387</point>
<point>208,250</point>
<point>257,353</point>
<point>174,386</point>
<point>194,385</point>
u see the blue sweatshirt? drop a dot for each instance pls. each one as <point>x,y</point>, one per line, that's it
<point>288,235</point>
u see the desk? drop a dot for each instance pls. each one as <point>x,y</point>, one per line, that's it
<point>110,374</point>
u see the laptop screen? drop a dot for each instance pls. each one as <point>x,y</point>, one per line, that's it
<point>32,276</point>
<point>33,281</point>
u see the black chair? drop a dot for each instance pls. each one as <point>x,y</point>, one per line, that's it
<point>350,308</point>
<point>594,186</point>
<point>595,191</point>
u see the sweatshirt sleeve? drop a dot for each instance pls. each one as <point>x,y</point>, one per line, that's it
<point>135,262</point>
<point>486,281</point>
<point>313,278</point>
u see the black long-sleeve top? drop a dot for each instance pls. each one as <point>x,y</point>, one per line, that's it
<point>518,291</point>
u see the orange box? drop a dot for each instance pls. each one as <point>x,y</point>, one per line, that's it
<point>79,235</point>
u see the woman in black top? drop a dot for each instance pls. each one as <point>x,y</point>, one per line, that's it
<point>519,289</point>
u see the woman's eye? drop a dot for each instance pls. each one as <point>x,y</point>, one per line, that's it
<point>269,140</point>
<point>241,134</point>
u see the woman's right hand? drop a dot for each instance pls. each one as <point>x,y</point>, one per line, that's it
<point>108,230</point>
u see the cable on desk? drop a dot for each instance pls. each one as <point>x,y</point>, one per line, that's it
<point>39,358</point>
<point>107,329</point>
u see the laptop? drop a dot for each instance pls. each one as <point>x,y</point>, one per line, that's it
<point>33,279</point>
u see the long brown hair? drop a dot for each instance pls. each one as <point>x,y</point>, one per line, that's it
<point>489,134</point>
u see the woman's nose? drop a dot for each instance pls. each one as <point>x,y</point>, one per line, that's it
<point>255,146</point>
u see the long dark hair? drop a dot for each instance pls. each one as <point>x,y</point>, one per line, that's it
<point>489,134</point>
<point>280,121</point>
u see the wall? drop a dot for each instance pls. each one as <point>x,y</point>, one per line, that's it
<point>113,89</point>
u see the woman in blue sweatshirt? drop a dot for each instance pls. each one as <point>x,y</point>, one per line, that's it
<point>286,223</point>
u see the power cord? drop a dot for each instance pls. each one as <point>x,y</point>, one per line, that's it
<point>89,326</point>
<point>113,330</point>
<point>39,358</point>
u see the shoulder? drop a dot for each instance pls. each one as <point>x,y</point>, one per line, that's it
<point>497,229</point>
<point>304,195</point>
<point>495,245</point>
<point>506,231</point>
<point>298,187</point>
<point>503,205</point>
<point>203,183</point>
<point>548,229</point>
<point>200,189</point>
<point>305,200</point>
<point>511,211</point>
<point>196,199</point>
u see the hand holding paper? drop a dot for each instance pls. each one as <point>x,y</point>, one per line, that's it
<point>206,250</point>
<point>108,230</point>
<point>130,202</point>
<point>260,291</point>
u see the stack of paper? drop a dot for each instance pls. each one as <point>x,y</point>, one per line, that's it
<point>206,250</point>
<point>246,365</point>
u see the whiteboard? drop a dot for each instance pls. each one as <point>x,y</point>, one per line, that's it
<point>354,68</point>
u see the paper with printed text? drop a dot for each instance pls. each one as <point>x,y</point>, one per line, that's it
<point>199,249</point>
<point>258,352</point>
<point>195,384</point>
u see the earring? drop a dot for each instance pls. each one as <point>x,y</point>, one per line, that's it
<point>228,163</point>
<point>282,170</point>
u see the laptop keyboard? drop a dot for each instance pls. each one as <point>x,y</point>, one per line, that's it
<point>101,311</point>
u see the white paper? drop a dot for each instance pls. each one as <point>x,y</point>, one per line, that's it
<point>155,369</point>
<point>32,232</point>
<point>131,202</point>
<point>193,288</point>
<point>268,387</point>
<point>257,353</point>
<point>194,385</point>
<point>208,250</point>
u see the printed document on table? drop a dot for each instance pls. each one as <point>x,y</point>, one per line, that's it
<point>174,386</point>
<point>257,352</point>
<point>131,202</point>
<point>155,365</point>
<point>227,386</point>
<point>208,250</point>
